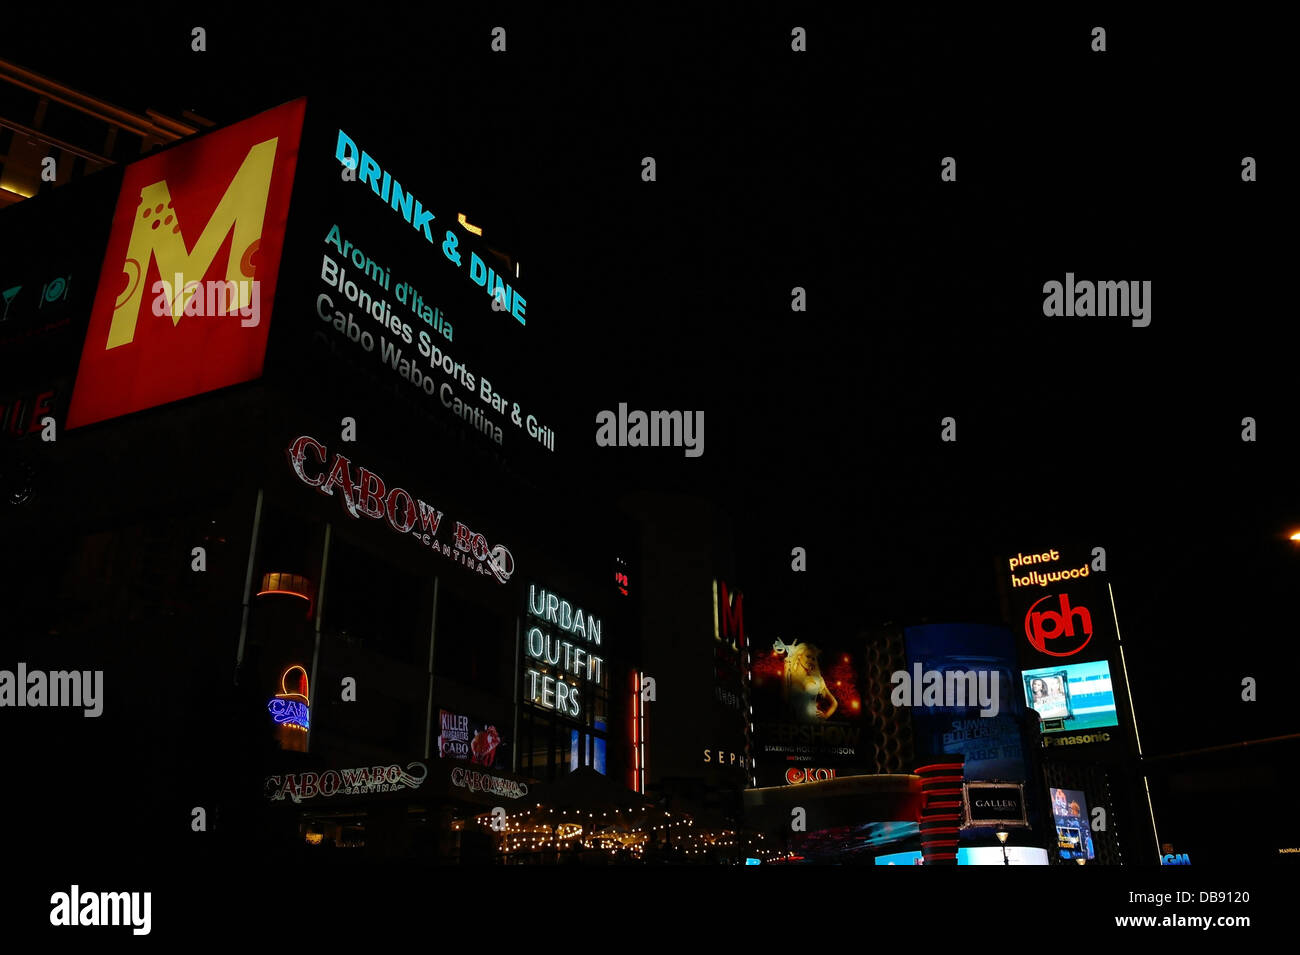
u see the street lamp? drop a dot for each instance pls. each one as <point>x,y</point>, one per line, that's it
<point>1002,838</point>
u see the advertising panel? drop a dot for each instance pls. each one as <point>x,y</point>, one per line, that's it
<point>394,292</point>
<point>1072,698</point>
<point>462,737</point>
<point>1061,603</point>
<point>183,301</point>
<point>807,701</point>
<point>1073,832</point>
<point>975,855</point>
<point>988,736</point>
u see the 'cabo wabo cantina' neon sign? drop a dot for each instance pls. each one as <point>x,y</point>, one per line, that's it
<point>291,708</point>
<point>566,666</point>
<point>369,496</point>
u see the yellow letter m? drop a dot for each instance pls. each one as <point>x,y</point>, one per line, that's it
<point>242,208</point>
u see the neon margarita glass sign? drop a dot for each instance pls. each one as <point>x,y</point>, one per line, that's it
<point>290,707</point>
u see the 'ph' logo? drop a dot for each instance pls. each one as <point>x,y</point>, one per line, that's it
<point>1058,626</point>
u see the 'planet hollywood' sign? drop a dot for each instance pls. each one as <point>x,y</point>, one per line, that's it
<point>346,782</point>
<point>368,496</point>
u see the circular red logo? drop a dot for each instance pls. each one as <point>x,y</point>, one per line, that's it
<point>1041,626</point>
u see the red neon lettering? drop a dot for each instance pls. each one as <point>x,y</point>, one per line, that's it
<point>732,610</point>
<point>297,457</point>
<point>407,520</point>
<point>309,781</point>
<point>463,536</point>
<point>370,492</point>
<point>429,518</point>
<point>341,478</point>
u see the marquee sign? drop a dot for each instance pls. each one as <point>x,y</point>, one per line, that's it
<point>798,775</point>
<point>370,497</point>
<point>480,782</point>
<point>994,804</point>
<point>346,782</point>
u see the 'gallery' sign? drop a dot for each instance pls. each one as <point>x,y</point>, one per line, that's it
<point>994,804</point>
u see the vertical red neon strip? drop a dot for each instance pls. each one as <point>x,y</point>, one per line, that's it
<point>641,790</point>
<point>636,723</point>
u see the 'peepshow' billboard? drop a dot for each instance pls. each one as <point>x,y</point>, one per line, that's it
<point>807,702</point>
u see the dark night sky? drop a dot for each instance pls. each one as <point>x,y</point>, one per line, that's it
<point>822,170</point>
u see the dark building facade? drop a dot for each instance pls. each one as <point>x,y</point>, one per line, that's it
<point>330,601</point>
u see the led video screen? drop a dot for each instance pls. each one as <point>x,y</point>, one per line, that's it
<point>1073,832</point>
<point>975,855</point>
<point>1077,696</point>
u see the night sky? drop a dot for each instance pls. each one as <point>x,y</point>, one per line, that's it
<point>821,170</point>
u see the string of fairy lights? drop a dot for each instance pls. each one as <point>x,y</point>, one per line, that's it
<point>625,832</point>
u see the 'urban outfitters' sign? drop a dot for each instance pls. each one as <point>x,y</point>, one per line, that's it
<point>560,658</point>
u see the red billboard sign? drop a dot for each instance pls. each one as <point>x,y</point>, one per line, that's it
<point>183,304</point>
